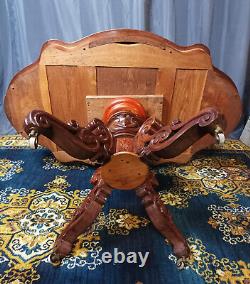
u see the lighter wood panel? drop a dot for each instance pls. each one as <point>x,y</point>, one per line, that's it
<point>123,55</point>
<point>118,81</point>
<point>188,92</point>
<point>224,96</point>
<point>226,100</point>
<point>45,98</point>
<point>165,87</point>
<point>23,96</point>
<point>96,105</point>
<point>44,88</point>
<point>68,90</point>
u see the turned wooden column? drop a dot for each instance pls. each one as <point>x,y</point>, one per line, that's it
<point>125,170</point>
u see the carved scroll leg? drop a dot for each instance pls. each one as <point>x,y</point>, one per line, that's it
<point>161,217</point>
<point>93,141</point>
<point>83,217</point>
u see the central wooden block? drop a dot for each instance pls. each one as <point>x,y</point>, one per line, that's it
<point>125,170</point>
<point>96,105</point>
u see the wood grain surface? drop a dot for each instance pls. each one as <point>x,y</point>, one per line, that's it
<point>124,171</point>
<point>96,105</point>
<point>122,62</point>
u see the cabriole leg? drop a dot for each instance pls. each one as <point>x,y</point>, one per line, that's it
<point>83,217</point>
<point>161,217</point>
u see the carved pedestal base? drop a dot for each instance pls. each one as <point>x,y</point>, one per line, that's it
<point>124,143</point>
<point>86,214</point>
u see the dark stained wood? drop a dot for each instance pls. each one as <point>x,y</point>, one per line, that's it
<point>161,217</point>
<point>83,217</point>
<point>126,129</point>
<point>170,141</point>
<point>94,142</point>
<point>227,102</point>
<point>124,144</point>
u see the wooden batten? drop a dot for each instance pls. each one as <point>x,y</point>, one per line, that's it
<point>165,86</point>
<point>96,105</point>
<point>123,55</point>
<point>46,101</point>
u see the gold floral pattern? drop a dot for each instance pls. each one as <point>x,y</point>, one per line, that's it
<point>129,221</point>
<point>120,222</point>
<point>13,141</point>
<point>20,273</point>
<point>231,144</point>
<point>233,222</point>
<point>8,168</point>
<point>171,199</point>
<point>223,176</point>
<point>213,269</point>
<point>31,220</point>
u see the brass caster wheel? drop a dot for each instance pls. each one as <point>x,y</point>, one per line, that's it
<point>55,259</point>
<point>166,241</point>
<point>33,139</point>
<point>181,263</point>
<point>220,138</point>
<point>219,135</point>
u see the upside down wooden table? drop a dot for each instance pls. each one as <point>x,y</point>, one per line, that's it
<point>124,142</point>
<point>199,105</point>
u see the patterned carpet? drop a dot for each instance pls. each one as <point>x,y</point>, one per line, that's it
<point>208,197</point>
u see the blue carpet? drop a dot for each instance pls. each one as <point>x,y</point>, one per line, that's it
<point>208,198</point>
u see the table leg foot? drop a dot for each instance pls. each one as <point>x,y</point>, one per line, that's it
<point>161,217</point>
<point>83,217</point>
